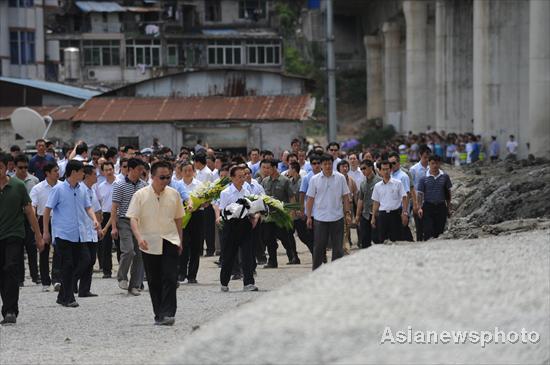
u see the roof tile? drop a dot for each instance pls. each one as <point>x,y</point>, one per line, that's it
<point>208,108</point>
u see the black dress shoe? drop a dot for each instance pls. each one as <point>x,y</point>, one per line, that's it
<point>191,281</point>
<point>209,254</point>
<point>271,266</point>
<point>72,304</point>
<point>294,261</point>
<point>107,276</point>
<point>10,318</point>
<point>87,295</point>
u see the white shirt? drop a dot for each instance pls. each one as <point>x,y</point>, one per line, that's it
<point>230,195</point>
<point>91,233</point>
<point>357,176</point>
<point>205,175</point>
<point>512,147</point>
<point>302,173</point>
<point>62,164</point>
<point>328,192</point>
<point>39,195</point>
<point>119,177</point>
<point>194,185</point>
<point>335,164</point>
<point>389,195</point>
<point>105,196</point>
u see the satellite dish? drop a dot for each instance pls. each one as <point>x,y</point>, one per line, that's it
<point>29,124</point>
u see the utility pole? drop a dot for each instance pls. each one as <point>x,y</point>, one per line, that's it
<point>331,75</point>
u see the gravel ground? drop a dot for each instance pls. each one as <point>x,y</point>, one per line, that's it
<point>339,313</point>
<point>115,328</point>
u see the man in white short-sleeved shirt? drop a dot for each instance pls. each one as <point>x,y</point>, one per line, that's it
<point>329,202</point>
<point>388,197</point>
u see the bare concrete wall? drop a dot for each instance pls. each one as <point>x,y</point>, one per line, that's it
<point>501,70</point>
<point>453,69</point>
<point>275,136</point>
<point>221,82</point>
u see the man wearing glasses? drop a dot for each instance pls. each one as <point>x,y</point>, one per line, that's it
<point>123,169</point>
<point>155,214</point>
<point>364,204</point>
<point>333,149</point>
<point>304,233</point>
<point>21,172</point>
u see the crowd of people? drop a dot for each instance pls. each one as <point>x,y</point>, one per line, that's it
<point>88,204</point>
<point>453,148</point>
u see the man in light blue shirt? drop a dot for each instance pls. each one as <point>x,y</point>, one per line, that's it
<point>67,201</point>
<point>180,188</point>
<point>88,253</point>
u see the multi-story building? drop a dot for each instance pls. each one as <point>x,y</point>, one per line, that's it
<point>120,42</point>
<point>22,47</point>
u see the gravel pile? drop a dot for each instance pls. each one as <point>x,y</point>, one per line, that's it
<point>487,194</point>
<point>339,313</point>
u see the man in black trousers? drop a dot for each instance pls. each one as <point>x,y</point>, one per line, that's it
<point>156,213</point>
<point>436,186</point>
<point>388,197</point>
<point>15,205</point>
<point>237,233</point>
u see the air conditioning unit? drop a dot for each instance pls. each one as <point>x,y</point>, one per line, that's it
<point>91,74</point>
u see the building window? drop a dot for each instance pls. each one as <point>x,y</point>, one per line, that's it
<point>252,9</point>
<point>172,58</point>
<point>101,53</point>
<point>21,3</point>
<point>22,48</point>
<point>212,11</point>
<point>264,52</point>
<point>143,53</point>
<point>224,53</point>
<point>128,141</point>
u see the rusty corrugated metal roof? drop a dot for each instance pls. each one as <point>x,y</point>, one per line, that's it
<point>62,113</point>
<point>209,108</point>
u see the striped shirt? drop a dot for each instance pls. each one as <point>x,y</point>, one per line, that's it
<point>123,191</point>
<point>435,187</point>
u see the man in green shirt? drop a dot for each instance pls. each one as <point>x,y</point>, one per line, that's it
<point>15,204</point>
<point>278,187</point>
